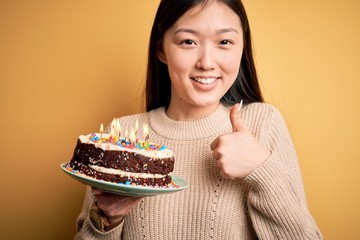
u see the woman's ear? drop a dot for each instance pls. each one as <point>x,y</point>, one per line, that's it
<point>160,53</point>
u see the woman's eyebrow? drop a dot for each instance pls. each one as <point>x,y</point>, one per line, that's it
<point>187,30</point>
<point>193,31</point>
<point>226,30</point>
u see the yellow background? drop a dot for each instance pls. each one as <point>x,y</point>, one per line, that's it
<point>66,66</point>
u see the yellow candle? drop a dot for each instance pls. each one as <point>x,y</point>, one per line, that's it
<point>101,130</point>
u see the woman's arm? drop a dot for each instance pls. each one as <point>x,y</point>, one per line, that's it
<point>113,207</point>
<point>277,203</point>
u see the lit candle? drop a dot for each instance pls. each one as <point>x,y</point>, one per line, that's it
<point>101,130</point>
<point>113,127</point>
<point>126,134</point>
<point>136,126</point>
<point>132,136</point>
<point>118,127</point>
<point>146,132</point>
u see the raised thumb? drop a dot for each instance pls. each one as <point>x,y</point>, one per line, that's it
<point>235,119</point>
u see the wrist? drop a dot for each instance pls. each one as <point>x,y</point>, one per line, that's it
<point>115,220</point>
<point>101,221</point>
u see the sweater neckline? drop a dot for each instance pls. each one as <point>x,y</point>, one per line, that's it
<point>204,127</point>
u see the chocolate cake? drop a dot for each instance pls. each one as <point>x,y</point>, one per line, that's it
<point>118,160</point>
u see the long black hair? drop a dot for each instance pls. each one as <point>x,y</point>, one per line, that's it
<point>158,84</point>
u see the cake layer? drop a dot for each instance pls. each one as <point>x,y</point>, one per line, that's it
<point>116,178</point>
<point>125,174</point>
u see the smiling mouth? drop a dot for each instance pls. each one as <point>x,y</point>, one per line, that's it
<point>206,81</point>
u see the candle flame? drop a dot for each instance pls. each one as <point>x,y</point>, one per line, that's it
<point>132,135</point>
<point>126,133</point>
<point>146,132</point>
<point>118,128</point>
<point>113,127</point>
<point>101,128</point>
<point>136,125</point>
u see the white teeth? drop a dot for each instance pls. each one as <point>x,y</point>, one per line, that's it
<point>205,80</point>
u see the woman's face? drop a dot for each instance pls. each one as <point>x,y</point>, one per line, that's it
<point>203,51</point>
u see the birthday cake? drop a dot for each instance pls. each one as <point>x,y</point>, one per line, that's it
<point>120,160</point>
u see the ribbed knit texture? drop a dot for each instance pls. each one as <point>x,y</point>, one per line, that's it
<point>269,203</point>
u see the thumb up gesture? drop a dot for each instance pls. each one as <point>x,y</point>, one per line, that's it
<point>238,153</point>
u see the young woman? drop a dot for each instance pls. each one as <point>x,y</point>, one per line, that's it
<point>241,166</point>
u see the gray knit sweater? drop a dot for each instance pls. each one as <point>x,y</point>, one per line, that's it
<point>269,203</point>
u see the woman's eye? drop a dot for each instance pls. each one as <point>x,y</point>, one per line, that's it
<point>188,42</point>
<point>225,42</point>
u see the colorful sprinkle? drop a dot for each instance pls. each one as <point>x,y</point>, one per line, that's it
<point>126,143</point>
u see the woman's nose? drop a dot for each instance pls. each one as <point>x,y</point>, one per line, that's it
<point>205,59</point>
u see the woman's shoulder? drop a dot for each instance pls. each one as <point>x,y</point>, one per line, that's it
<point>131,119</point>
<point>133,116</point>
<point>262,107</point>
<point>264,111</point>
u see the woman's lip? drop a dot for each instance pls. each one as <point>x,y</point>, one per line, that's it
<point>205,80</point>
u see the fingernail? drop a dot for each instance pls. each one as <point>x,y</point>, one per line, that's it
<point>240,105</point>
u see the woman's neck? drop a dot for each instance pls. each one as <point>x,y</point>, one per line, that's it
<point>188,112</point>
<point>207,126</point>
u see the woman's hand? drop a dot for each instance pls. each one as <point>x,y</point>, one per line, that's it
<point>238,153</point>
<point>115,207</point>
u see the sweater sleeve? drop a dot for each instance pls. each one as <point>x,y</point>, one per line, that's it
<point>86,229</point>
<point>277,203</point>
